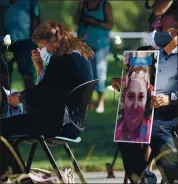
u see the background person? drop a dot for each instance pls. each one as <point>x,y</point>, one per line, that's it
<point>165,103</point>
<point>95,20</point>
<point>68,66</point>
<point>25,20</point>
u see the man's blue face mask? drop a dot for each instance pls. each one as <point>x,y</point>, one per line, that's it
<point>162,39</point>
<point>159,39</point>
<point>45,55</point>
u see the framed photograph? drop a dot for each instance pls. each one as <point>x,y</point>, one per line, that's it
<point>134,112</point>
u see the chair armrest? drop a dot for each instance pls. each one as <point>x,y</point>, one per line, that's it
<point>62,140</point>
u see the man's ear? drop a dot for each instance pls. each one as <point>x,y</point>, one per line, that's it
<point>176,24</point>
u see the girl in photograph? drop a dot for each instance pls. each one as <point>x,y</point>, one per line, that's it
<point>135,122</point>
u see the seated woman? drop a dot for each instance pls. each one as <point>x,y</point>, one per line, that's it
<point>135,122</point>
<point>68,65</point>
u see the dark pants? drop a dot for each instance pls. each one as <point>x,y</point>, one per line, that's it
<point>22,56</point>
<point>34,125</point>
<point>163,141</point>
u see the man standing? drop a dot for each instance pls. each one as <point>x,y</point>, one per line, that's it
<point>166,100</point>
<point>164,143</point>
<point>20,19</point>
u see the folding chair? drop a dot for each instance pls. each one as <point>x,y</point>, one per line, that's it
<point>8,176</point>
<point>76,106</point>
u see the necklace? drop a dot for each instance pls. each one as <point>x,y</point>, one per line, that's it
<point>130,136</point>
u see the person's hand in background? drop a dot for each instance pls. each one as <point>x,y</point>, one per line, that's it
<point>36,58</point>
<point>116,83</point>
<point>91,21</point>
<point>160,100</point>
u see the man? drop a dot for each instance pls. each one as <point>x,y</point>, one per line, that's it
<point>20,18</point>
<point>163,142</point>
<point>166,100</point>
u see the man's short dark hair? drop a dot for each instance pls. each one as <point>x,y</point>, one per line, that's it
<point>172,12</point>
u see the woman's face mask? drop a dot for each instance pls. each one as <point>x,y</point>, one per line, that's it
<point>45,55</point>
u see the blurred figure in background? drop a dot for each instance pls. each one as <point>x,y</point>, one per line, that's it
<point>20,18</point>
<point>95,20</point>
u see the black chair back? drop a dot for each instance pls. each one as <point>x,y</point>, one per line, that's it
<point>77,104</point>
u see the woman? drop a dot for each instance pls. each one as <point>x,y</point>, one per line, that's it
<point>94,18</point>
<point>67,59</point>
<point>134,125</point>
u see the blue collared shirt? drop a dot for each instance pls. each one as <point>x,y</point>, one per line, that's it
<point>17,19</point>
<point>167,83</point>
<point>167,76</point>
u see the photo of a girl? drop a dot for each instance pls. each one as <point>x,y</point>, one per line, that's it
<point>134,118</point>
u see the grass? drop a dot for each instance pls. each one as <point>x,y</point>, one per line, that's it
<point>97,146</point>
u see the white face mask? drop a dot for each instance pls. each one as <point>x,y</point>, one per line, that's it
<point>45,55</point>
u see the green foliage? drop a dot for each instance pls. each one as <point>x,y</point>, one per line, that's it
<point>7,56</point>
<point>10,55</point>
<point>128,15</point>
<point>62,11</point>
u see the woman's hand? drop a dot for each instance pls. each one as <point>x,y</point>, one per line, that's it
<point>36,58</point>
<point>14,99</point>
<point>116,83</point>
<point>89,20</point>
<point>160,100</point>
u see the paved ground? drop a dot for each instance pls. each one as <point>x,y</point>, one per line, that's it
<point>100,177</point>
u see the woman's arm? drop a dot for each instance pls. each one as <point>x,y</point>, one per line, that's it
<point>108,23</point>
<point>51,89</point>
<point>79,12</point>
